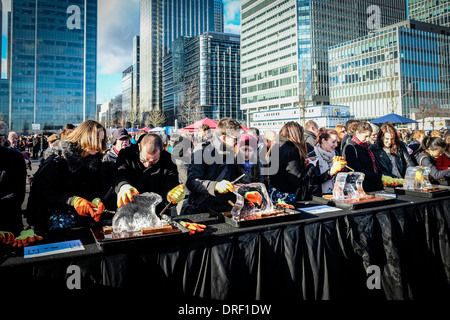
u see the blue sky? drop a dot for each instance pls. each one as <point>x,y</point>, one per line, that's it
<point>118,22</point>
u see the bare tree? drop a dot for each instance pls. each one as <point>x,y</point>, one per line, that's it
<point>308,88</point>
<point>155,118</point>
<point>190,109</point>
<point>133,116</point>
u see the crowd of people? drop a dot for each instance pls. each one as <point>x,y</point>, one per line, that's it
<point>84,171</point>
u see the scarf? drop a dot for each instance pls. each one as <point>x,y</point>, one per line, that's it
<point>325,163</point>
<point>365,145</point>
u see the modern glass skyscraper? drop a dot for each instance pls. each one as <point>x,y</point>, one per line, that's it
<point>161,22</point>
<point>284,57</point>
<point>431,11</point>
<point>53,74</point>
<point>401,69</point>
<point>202,78</point>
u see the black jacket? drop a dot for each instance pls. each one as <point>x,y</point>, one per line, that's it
<point>384,164</point>
<point>209,165</point>
<point>319,178</point>
<point>61,176</point>
<point>12,189</point>
<point>159,178</point>
<point>292,176</point>
<point>426,160</point>
<point>359,160</point>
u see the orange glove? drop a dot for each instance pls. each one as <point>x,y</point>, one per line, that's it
<point>25,238</point>
<point>6,237</point>
<point>82,206</point>
<point>99,210</point>
<point>193,227</point>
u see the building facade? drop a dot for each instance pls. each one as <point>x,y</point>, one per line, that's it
<point>161,22</point>
<point>399,69</point>
<point>327,116</point>
<point>431,11</point>
<point>53,77</point>
<point>284,57</point>
<point>127,88</point>
<point>202,78</point>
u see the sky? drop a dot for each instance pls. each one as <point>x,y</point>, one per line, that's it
<point>118,23</point>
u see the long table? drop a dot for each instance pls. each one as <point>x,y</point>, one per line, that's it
<point>334,255</point>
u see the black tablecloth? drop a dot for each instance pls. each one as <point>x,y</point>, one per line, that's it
<point>317,257</point>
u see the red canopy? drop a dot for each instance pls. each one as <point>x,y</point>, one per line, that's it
<point>145,128</point>
<point>210,122</point>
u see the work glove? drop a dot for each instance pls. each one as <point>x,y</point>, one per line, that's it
<point>6,237</point>
<point>388,181</point>
<point>224,186</point>
<point>176,194</point>
<point>338,165</point>
<point>82,206</point>
<point>193,227</point>
<point>25,238</point>
<point>126,194</point>
<point>399,181</point>
<point>99,210</point>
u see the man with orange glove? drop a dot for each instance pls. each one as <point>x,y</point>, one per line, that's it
<point>145,167</point>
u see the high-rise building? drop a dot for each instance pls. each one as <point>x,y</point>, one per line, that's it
<point>161,22</point>
<point>431,11</point>
<point>54,49</point>
<point>202,78</point>
<point>127,88</point>
<point>1,37</point>
<point>136,72</point>
<point>403,68</point>
<point>284,48</point>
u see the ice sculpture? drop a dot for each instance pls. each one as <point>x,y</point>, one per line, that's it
<point>348,186</point>
<point>251,200</point>
<point>137,215</point>
<point>416,178</point>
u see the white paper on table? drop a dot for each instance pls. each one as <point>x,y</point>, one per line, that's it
<point>320,209</point>
<point>52,248</point>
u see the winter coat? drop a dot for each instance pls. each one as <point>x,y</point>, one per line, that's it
<point>443,162</point>
<point>426,160</point>
<point>63,175</point>
<point>209,165</point>
<point>159,178</point>
<point>359,160</point>
<point>384,164</point>
<point>293,176</point>
<point>12,189</point>
<point>319,178</point>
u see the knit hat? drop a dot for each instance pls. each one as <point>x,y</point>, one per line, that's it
<point>247,140</point>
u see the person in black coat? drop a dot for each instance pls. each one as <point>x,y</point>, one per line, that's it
<point>294,175</point>
<point>70,186</point>
<point>145,167</point>
<point>391,156</point>
<point>12,187</point>
<point>361,159</point>
<point>430,149</point>
<point>212,169</point>
<point>310,134</point>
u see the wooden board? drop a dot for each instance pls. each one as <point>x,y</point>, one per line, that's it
<point>273,217</point>
<point>355,204</point>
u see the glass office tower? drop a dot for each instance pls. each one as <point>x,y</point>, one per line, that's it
<point>284,44</point>
<point>202,74</point>
<point>403,68</point>
<point>431,11</point>
<point>53,74</point>
<point>161,22</point>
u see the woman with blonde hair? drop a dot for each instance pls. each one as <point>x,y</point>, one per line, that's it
<point>69,186</point>
<point>293,179</point>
